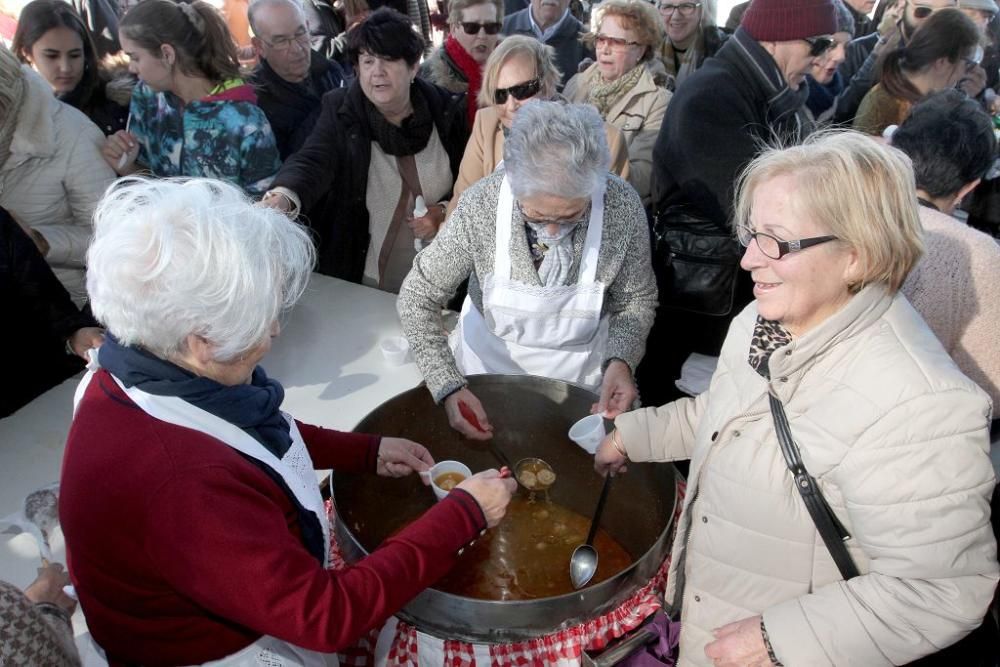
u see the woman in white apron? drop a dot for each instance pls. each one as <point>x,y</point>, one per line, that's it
<point>194,527</point>
<point>556,250</point>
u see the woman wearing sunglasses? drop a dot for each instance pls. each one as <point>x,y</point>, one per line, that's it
<point>692,36</point>
<point>378,145</point>
<point>556,252</point>
<point>520,69</point>
<point>941,52</point>
<point>833,365</point>
<point>457,65</point>
<point>627,38</point>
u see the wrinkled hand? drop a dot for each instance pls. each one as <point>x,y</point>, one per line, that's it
<point>974,81</point>
<point>276,200</point>
<point>398,457</point>
<point>492,492</point>
<point>426,227</point>
<point>460,423</point>
<point>739,644</point>
<point>84,339</point>
<point>120,151</point>
<point>48,587</point>
<point>618,391</point>
<point>608,460</point>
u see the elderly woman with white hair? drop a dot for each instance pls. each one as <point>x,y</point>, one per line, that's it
<point>194,526</point>
<point>556,250</point>
<point>830,387</point>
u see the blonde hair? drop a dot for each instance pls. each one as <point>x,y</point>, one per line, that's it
<point>856,189</point>
<point>456,7</point>
<point>636,15</point>
<point>520,46</point>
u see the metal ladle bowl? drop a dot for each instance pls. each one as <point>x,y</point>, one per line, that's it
<point>532,468</point>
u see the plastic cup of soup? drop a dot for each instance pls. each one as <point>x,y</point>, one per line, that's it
<point>446,475</point>
<point>588,432</point>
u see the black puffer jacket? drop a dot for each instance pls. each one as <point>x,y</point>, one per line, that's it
<point>330,172</point>
<point>40,317</point>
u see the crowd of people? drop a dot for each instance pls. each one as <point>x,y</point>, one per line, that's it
<point>808,195</point>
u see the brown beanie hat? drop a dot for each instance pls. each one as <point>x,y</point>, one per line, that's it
<point>789,20</point>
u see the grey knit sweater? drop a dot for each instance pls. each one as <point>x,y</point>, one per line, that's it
<point>464,249</point>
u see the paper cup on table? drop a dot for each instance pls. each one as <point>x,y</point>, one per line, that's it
<point>588,433</point>
<point>395,349</point>
<point>451,469</point>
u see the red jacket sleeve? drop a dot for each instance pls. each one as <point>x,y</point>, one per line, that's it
<point>340,450</point>
<point>213,532</point>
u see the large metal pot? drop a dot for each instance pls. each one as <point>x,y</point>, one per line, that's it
<point>531,416</point>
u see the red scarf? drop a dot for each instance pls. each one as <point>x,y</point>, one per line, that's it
<point>471,70</point>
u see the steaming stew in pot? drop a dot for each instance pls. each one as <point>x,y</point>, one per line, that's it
<point>527,555</point>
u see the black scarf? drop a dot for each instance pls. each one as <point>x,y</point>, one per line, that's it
<point>252,407</point>
<point>785,112</point>
<point>411,136</point>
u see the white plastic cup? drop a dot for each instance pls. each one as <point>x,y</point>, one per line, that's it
<point>395,350</point>
<point>588,433</point>
<point>442,467</point>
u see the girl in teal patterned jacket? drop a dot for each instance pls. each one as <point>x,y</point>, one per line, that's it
<point>191,114</point>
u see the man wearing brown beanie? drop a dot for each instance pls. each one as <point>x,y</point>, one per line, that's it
<point>751,92</point>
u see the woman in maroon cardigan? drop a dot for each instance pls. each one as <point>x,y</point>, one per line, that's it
<point>193,523</point>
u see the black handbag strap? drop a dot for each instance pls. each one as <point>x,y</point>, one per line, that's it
<point>829,526</point>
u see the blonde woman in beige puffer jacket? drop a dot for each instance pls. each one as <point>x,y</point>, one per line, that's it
<point>895,435</point>
<point>51,170</point>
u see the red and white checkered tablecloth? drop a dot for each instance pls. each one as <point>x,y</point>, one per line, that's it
<point>565,647</point>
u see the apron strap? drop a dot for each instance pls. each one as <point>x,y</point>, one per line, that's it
<point>505,213</point>
<point>592,245</point>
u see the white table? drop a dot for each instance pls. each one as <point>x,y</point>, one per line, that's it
<point>327,357</point>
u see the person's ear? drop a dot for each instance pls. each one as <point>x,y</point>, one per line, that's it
<point>200,349</point>
<point>853,270</point>
<point>258,46</point>
<point>168,54</point>
<point>966,189</point>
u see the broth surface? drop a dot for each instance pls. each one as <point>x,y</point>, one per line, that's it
<point>527,555</point>
<point>449,480</point>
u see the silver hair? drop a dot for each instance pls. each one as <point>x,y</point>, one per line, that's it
<point>256,5</point>
<point>556,149</point>
<point>175,257</point>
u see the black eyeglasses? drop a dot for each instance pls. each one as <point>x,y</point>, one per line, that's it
<point>685,9</point>
<point>472,28</point>
<point>774,247</point>
<point>519,92</point>
<point>819,45</point>
<point>301,37</point>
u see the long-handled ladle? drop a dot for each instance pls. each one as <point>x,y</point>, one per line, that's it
<point>583,563</point>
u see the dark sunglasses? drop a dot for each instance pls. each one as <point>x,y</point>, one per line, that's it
<point>520,92</point>
<point>471,28</point>
<point>819,45</point>
<point>922,11</point>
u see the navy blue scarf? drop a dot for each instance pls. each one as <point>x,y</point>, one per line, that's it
<point>252,407</point>
<point>822,97</point>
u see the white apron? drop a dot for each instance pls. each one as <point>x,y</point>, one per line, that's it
<point>555,332</point>
<point>295,468</point>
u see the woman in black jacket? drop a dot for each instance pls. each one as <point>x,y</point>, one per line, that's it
<point>378,145</point>
<point>48,335</point>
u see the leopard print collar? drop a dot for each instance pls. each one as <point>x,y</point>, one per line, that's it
<point>768,336</point>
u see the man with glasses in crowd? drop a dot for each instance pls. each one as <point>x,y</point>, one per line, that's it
<point>752,90</point>
<point>859,67</point>
<point>290,79</point>
<point>692,36</point>
<point>550,22</point>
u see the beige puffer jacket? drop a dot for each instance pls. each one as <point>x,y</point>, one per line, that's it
<point>897,438</point>
<point>638,114</point>
<point>54,178</point>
